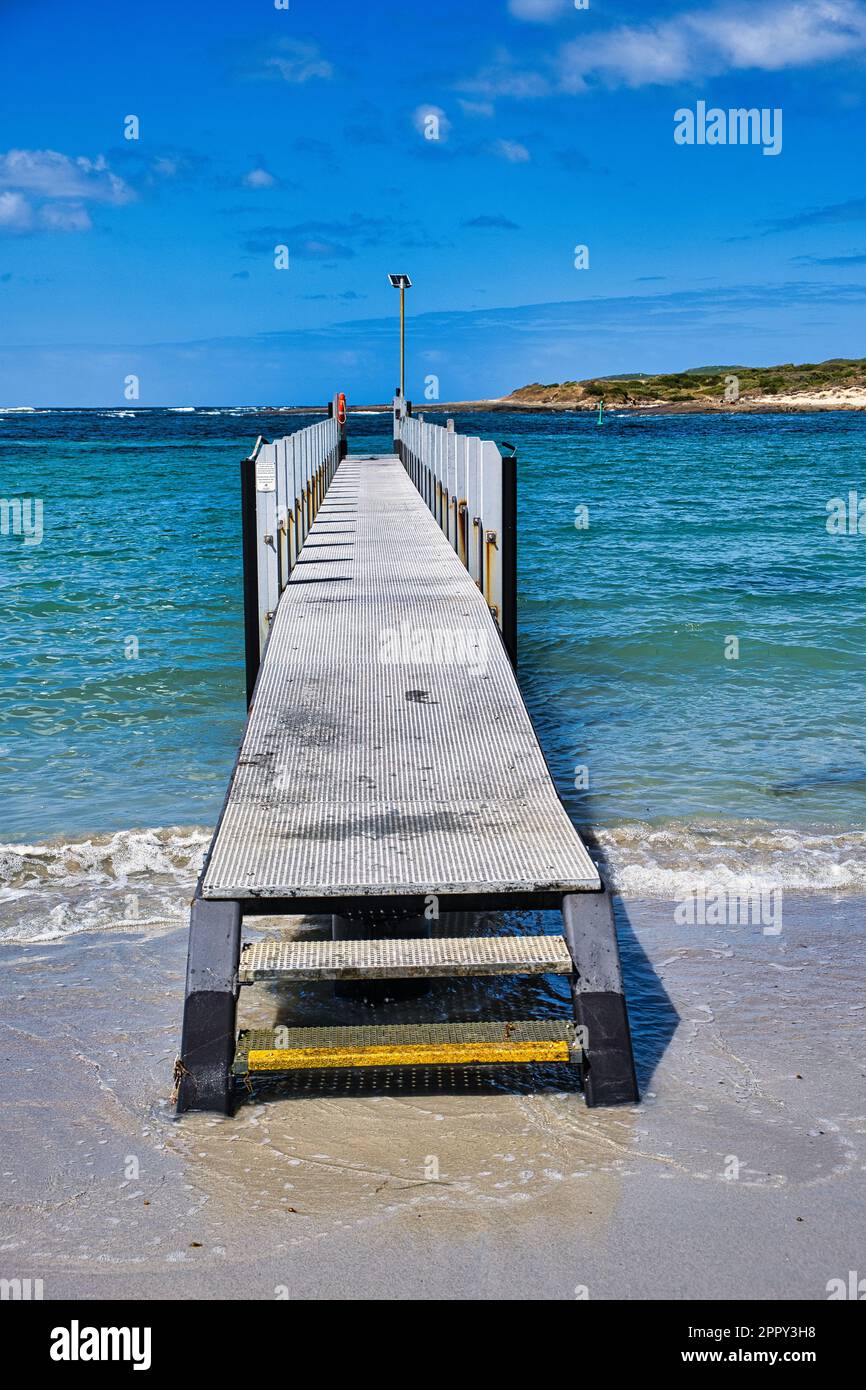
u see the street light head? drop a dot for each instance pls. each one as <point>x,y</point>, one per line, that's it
<point>400,282</point>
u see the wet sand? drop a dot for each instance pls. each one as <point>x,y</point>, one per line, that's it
<point>751,1055</point>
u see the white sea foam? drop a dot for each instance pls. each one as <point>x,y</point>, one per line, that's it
<point>665,861</point>
<point>138,880</point>
<point>131,880</point>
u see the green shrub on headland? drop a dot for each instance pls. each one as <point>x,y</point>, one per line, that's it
<point>699,384</point>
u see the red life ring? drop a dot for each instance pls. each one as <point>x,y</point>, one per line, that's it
<point>341,409</point>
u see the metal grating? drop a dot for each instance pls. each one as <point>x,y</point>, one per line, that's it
<point>395,958</point>
<point>388,751</point>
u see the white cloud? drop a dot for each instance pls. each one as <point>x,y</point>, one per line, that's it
<point>259,178</point>
<point>477,108</point>
<point>164,167</point>
<point>52,175</point>
<point>513,151</point>
<point>298,62</point>
<point>537,11</point>
<point>48,190</point>
<point>783,36</point>
<point>16,214</point>
<point>768,36</point>
<point>65,217</point>
<point>707,43</point>
<point>431,122</point>
<point>502,79</point>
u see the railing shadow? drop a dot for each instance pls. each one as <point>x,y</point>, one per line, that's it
<point>653,1017</point>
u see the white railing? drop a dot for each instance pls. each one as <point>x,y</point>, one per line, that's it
<point>471,489</point>
<point>282,486</point>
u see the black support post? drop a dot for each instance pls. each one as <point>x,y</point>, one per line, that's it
<point>210,1007</point>
<point>509,556</point>
<point>251,574</point>
<point>599,1001</point>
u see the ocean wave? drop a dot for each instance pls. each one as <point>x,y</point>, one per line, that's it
<point>131,880</point>
<point>143,879</point>
<point>645,860</point>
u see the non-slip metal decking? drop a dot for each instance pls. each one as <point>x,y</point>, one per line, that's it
<point>396,958</point>
<point>388,751</point>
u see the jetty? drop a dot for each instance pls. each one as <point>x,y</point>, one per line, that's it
<point>389,775</point>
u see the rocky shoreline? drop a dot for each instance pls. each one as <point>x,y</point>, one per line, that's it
<point>766,405</point>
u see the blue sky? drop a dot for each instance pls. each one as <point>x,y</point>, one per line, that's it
<point>306,127</point>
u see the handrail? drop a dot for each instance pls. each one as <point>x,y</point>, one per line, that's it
<point>282,485</point>
<point>471,489</point>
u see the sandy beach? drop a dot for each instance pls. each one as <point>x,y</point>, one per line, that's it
<point>848,398</point>
<point>751,1055</point>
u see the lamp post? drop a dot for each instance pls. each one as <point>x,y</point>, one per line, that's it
<point>402,283</point>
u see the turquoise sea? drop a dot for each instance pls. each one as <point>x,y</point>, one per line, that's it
<point>692,657</point>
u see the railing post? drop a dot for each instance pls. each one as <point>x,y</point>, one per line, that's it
<point>450,443</point>
<point>509,555</point>
<point>252,650</point>
<point>400,415</point>
<point>491,517</point>
<point>260,541</point>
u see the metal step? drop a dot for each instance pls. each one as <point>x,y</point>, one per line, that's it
<point>406,1045</point>
<point>397,958</point>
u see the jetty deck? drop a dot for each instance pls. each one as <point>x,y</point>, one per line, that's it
<point>388,750</point>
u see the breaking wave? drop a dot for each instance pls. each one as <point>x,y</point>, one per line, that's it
<point>646,860</point>
<point>137,880</point>
<point>131,880</point>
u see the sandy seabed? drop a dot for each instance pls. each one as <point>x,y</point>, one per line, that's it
<point>741,1175</point>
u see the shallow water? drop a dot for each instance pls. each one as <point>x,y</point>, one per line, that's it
<point>411,1184</point>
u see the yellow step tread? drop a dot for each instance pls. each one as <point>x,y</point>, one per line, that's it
<point>443,1044</point>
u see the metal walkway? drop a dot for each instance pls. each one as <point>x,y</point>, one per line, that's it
<point>388,750</point>
<point>390,778</point>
